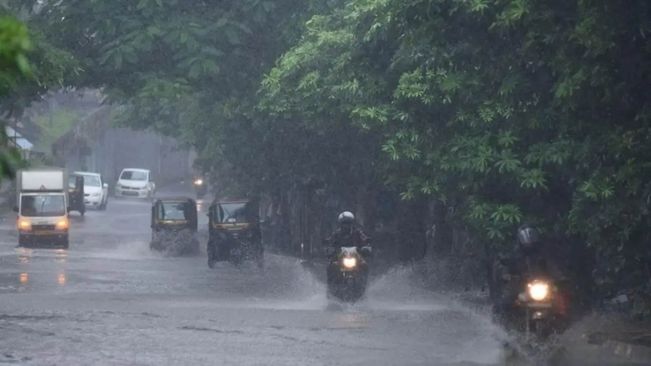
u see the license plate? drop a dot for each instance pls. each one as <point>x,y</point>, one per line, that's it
<point>41,233</point>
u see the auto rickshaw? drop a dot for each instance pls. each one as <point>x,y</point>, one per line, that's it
<point>234,232</point>
<point>174,226</point>
<point>76,193</point>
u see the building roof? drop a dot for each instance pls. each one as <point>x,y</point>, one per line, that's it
<point>86,173</point>
<point>17,139</point>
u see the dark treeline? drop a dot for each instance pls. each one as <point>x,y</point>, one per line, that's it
<point>461,119</point>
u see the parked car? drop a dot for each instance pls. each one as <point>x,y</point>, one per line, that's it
<point>135,183</point>
<point>95,190</point>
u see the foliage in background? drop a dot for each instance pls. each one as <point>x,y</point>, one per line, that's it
<point>14,46</point>
<point>507,111</point>
<point>186,68</point>
<point>52,126</point>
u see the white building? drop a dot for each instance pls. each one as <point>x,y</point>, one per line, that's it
<point>18,141</point>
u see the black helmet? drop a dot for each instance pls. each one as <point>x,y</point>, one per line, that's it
<point>528,236</point>
<point>346,217</point>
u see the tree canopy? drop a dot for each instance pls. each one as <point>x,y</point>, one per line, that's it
<point>507,111</point>
<point>14,67</point>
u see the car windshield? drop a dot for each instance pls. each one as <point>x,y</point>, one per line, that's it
<point>42,206</point>
<point>92,181</point>
<point>232,212</point>
<point>133,175</point>
<point>174,211</point>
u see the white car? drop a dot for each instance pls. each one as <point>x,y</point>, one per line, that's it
<point>95,190</point>
<point>135,183</point>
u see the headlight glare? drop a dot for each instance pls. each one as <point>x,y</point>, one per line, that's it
<point>24,225</point>
<point>538,290</point>
<point>62,224</point>
<point>349,262</point>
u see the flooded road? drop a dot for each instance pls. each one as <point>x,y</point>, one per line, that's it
<point>109,300</point>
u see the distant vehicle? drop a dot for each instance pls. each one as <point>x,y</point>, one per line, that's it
<point>174,226</point>
<point>76,194</point>
<point>135,183</point>
<point>200,186</point>
<point>95,190</point>
<point>42,207</point>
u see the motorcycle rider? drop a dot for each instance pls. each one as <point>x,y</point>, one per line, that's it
<point>531,256</point>
<point>347,232</point>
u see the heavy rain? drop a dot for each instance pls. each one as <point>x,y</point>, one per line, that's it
<point>341,182</point>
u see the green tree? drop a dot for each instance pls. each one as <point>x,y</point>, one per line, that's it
<point>14,46</point>
<point>507,111</point>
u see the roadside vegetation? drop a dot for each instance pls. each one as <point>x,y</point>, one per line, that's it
<point>52,126</point>
<point>479,115</point>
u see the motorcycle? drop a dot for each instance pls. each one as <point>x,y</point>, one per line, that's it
<point>200,187</point>
<point>348,273</point>
<point>544,308</point>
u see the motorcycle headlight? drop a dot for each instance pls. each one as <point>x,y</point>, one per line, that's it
<point>198,182</point>
<point>538,290</point>
<point>349,262</point>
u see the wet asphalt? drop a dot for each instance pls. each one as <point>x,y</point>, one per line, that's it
<point>109,300</point>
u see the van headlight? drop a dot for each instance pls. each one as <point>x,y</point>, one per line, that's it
<point>24,225</point>
<point>62,224</point>
<point>538,290</point>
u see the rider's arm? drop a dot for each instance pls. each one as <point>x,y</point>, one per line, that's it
<point>332,240</point>
<point>362,238</point>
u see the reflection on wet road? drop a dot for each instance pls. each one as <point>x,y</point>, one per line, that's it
<point>108,300</point>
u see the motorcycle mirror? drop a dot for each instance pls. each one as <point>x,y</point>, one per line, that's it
<point>15,208</point>
<point>366,251</point>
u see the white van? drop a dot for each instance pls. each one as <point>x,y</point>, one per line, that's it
<point>42,207</point>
